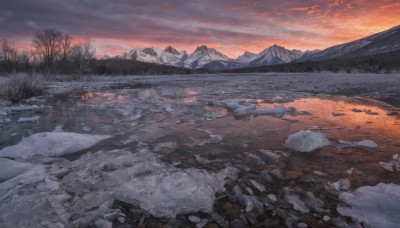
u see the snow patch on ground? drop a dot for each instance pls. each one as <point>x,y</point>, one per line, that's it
<point>51,144</point>
<point>377,206</point>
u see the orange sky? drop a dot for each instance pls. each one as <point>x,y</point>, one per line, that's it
<point>230,26</point>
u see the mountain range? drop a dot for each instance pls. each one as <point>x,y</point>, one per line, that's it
<point>209,58</point>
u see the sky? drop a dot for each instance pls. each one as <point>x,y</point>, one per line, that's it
<point>230,26</point>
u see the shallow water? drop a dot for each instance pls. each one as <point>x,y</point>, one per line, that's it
<point>209,137</point>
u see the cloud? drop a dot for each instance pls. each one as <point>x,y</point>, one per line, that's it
<point>232,26</point>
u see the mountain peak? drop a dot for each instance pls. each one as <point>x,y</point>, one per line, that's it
<point>172,50</point>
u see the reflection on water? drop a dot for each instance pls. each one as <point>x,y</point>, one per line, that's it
<point>351,114</point>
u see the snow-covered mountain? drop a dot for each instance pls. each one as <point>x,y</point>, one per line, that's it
<point>379,43</point>
<point>204,55</point>
<point>246,57</point>
<point>275,55</point>
<point>168,56</point>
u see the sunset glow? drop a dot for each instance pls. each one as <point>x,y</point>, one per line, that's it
<point>230,26</point>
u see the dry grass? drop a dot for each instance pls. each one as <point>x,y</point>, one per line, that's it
<point>20,87</point>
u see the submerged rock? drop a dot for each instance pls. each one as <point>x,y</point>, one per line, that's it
<point>306,141</point>
<point>376,206</point>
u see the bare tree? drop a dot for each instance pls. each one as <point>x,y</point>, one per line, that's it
<point>81,54</point>
<point>8,54</point>
<point>48,45</point>
<point>65,46</point>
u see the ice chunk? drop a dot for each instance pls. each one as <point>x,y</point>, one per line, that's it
<point>363,143</point>
<point>376,206</point>
<point>51,144</point>
<point>143,180</point>
<point>10,168</point>
<point>306,141</point>
<point>24,108</point>
<point>28,119</point>
<point>278,111</point>
<point>340,185</point>
<point>244,110</point>
<point>298,205</point>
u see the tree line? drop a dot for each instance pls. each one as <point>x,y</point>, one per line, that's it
<point>53,52</point>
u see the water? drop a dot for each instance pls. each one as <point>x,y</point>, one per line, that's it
<point>209,137</point>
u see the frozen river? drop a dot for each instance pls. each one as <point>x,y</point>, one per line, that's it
<point>257,150</point>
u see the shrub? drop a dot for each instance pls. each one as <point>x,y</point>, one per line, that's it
<point>19,87</point>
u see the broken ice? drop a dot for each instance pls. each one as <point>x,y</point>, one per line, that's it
<point>51,144</point>
<point>306,141</point>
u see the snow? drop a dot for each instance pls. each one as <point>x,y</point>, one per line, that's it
<point>306,141</point>
<point>51,144</point>
<point>363,143</point>
<point>28,119</point>
<point>376,206</point>
<point>22,107</point>
<point>10,168</point>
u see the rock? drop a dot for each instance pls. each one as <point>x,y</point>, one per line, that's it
<point>293,174</point>
<point>337,114</point>
<point>257,185</point>
<point>215,138</point>
<point>298,205</point>
<point>272,198</point>
<point>202,223</point>
<point>121,219</point>
<point>395,156</point>
<point>277,174</point>
<point>194,219</point>
<point>302,225</point>
<point>101,223</point>
<point>387,166</point>
<point>319,173</point>
<point>271,155</point>
<point>356,110</point>
<point>306,141</point>
<point>165,147</point>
